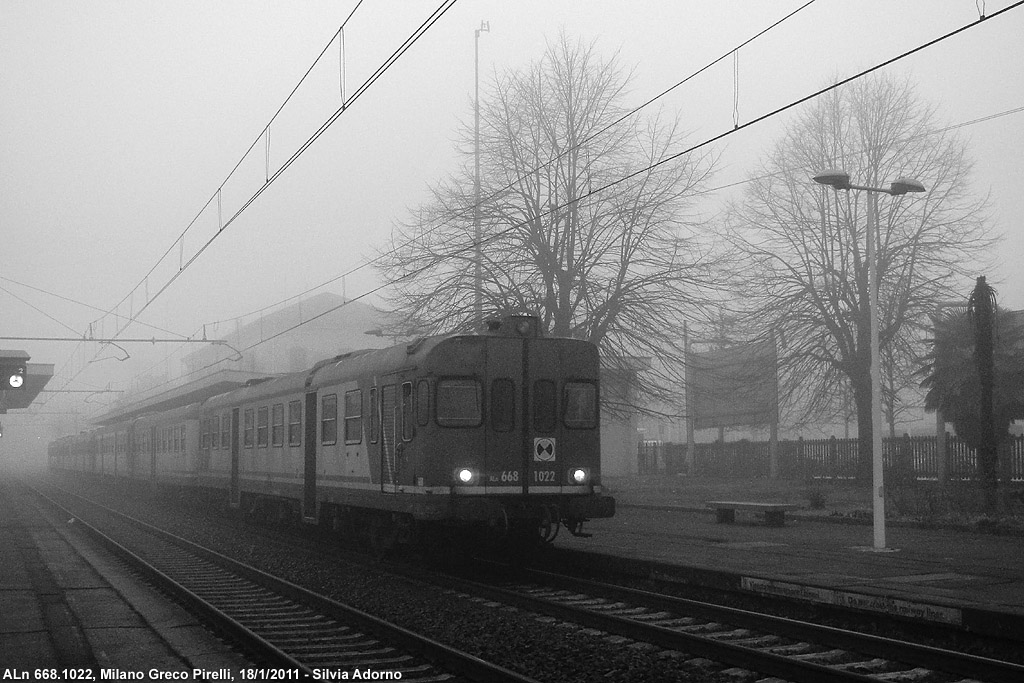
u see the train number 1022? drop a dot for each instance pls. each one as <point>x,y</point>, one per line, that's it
<point>544,476</point>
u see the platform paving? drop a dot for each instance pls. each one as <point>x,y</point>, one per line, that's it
<point>64,602</point>
<point>957,577</point>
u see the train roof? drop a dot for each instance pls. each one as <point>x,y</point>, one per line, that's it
<point>186,394</point>
<point>229,387</point>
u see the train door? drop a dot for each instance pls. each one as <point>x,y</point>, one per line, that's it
<point>505,433</point>
<point>235,493</point>
<point>389,438</point>
<point>543,456</point>
<point>309,467</point>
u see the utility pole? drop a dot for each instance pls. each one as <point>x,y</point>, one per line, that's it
<point>478,303</point>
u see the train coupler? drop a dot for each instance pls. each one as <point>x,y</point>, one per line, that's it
<point>575,527</point>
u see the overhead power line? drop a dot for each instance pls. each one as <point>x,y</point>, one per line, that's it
<point>377,74</point>
<point>736,127</point>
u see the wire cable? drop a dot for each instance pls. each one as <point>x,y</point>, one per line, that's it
<point>708,141</point>
<point>383,68</point>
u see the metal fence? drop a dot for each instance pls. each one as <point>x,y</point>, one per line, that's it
<point>906,457</point>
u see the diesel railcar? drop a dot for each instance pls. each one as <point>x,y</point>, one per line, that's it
<point>496,432</point>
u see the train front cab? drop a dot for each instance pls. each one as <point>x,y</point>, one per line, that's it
<point>522,432</point>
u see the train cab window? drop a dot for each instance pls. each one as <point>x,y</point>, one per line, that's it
<point>354,416</point>
<point>408,428</point>
<point>544,405</point>
<point>249,429</point>
<point>329,420</point>
<point>215,432</point>
<point>422,402</point>
<point>579,405</point>
<point>225,431</point>
<point>262,426</point>
<point>503,405</point>
<point>458,403</point>
<point>295,423</point>
<point>277,425</point>
<point>374,416</point>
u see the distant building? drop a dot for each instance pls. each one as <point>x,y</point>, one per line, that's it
<point>293,338</point>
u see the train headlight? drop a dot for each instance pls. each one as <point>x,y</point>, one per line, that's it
<point>579,475</point>
<point>465,475</point>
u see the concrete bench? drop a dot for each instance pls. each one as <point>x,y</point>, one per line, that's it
<point>774,513</point>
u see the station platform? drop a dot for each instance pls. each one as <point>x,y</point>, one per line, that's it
<point>958,578</point>
<point>66,604</point>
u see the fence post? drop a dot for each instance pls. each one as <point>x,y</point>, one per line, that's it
<point>832,466</point>
<point>801,463</point>
<point>941,447</point>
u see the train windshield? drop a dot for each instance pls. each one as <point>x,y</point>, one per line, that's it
<point>458,403</point>
<point>580,405</point>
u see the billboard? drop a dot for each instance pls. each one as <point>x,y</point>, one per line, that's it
<point>734,386</point>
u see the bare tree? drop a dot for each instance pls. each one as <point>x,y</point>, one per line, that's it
<point>805,274</point>
<point>583,217</point>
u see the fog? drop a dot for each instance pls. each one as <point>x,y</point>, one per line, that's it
<point>119,122</point>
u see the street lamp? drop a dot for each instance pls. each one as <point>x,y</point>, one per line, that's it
<point>840,180</point>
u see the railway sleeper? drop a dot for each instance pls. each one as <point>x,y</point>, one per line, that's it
<point>277,610</point>
<point>320,648</point>
<point>307,619</point>
<point>869,665</point>
<point>821,657</point>
<point>908,675</point>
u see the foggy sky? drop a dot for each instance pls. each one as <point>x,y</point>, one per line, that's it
<point>120,120</point>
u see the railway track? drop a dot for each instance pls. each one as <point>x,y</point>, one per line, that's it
<point>779,647</point>
<point>277,623</point>
<point>740,644</point>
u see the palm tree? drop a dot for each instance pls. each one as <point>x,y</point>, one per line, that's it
<point>975,376</point>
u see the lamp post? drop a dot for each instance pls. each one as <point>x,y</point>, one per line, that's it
<point>840,180</point>
<point>478,297</point>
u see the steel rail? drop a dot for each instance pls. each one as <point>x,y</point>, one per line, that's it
<point>934,658</point>
<point>448,658</point>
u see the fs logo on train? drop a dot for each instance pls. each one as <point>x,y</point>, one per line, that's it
<point>544,449</point>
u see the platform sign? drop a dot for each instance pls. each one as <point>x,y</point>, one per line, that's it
<point>13,368</point>
<point>21,381</point>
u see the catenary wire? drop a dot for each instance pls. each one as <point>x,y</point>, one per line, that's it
<point>672,157</point>
<point>383,68</point>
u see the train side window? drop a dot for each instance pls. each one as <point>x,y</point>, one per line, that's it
<point>374,416</point>
<point>458,403</point>
<point>295,423</point>
<point>225,431</point>
<point>579,405</point>
<point>544,405</point>
<point>422,402</point>
<point>215,432</point>
<point>181,432</point>
<point>204,434</point>
<point>329,420</point>
<point>408,428</point>
<point>247,432</point>
<point>354,416</point>
<point>262,424</point>
<point>277,425</point>
<point>503,405</point>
